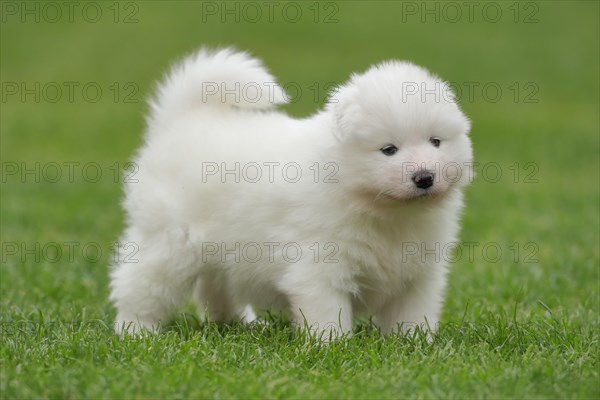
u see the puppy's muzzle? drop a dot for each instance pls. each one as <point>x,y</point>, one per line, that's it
<point>423,179</point>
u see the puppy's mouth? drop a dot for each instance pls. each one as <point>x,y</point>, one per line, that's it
<point>418,195</point>
<point>387,199</point>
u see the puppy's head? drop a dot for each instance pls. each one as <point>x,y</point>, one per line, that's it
<point>400,134</point>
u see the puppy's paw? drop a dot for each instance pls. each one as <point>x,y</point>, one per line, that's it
<point>135,327</point>
<point>248,316</point>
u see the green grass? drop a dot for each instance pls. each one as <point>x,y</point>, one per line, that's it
<point>512,327</point>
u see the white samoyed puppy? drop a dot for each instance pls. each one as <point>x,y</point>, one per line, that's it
<point>346,213</point>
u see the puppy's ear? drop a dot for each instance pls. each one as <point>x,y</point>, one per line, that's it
<point>344,105</point>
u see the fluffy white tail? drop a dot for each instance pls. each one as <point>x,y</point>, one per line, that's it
<point>221,78</point>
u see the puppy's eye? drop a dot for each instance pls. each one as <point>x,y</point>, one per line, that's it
<point>435,141</point>
<point>389,150</point>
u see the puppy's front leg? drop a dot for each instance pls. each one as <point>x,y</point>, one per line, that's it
<point>323,310</point>
<point>418,305</point>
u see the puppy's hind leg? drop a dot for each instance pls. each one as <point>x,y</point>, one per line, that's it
<point>147,290</point>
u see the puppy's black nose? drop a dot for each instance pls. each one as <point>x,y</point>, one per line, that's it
<point>423,179</point>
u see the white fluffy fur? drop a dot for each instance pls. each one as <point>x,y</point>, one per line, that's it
<point>187,228</point>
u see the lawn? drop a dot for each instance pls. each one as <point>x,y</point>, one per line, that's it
<point>522,317</point>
